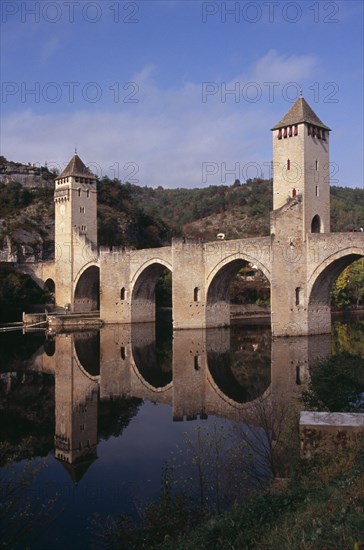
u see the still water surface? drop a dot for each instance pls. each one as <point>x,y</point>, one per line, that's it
<point>104,410</point>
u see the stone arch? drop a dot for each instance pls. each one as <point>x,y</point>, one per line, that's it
<point>50,287</point>
<point>87,290</point>
<point>316,224</point>
<point>218,289</point>
<point>143,285</point>
<point>325,275</point>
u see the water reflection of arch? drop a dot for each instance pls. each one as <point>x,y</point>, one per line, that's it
<point>87,289</point>
<point>152,361</point>
<point>50,346</point>
<point>87,352</point>
<point>241,377</point>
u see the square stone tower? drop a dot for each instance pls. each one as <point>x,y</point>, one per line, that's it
<point>75,198</point>
<point>301,166</point>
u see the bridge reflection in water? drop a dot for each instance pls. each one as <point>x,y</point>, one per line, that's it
<point>221,372</point>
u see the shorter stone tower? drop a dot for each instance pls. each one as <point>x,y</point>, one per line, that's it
<point>75,198</point>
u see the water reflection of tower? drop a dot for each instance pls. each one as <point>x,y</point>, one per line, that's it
<point>76,395</point>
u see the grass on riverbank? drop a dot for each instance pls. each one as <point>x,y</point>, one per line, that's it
<point>321,508</point>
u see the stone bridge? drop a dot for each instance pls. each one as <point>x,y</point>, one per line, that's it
<point>300,258</point>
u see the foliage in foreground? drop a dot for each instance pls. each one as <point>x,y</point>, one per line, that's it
<point>322,507</point>
<point>23,516</point>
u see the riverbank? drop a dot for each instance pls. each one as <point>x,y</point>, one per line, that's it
<point>321,507</point>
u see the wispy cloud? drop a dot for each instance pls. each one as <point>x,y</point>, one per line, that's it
<point>49,48</point>
<point>168,135</point>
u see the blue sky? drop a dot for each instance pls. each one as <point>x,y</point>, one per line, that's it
<point>142,87</point>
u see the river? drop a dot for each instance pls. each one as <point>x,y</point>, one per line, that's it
<point>91,418</point>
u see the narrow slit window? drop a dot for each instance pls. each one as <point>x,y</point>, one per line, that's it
<point>298,292</point>
<point>298,375</point>
<point>79,192</point>
<point>122,293</point>
<point>122,353</point>
<point>280,133</point>
<point>317,191</point>
<point>288,164</point>
<point>196,294</point>
<point>316,165</point>
<point>197,362</point>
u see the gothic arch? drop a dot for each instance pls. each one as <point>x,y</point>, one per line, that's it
<point>218,289</point>
<point>146,265</point>
<point>87,290</point>
<point>50,287</point>
<point>242,257</point>
<point>316,224</point>
<point>325,275</point>
<point>143,289</point>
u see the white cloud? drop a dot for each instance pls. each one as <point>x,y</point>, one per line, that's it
<point>49,48</point>
<point>284,68</point>
<point>168,135</point>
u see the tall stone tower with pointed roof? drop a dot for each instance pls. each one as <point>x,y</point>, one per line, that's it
<point>301,166</point>
<point>75,198</point>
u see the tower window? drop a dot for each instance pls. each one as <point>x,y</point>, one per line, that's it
<point>290,131</point>
<point>317,191</point>
<point>82,209</point>
<point>318,133</point>
<point>87,193</point>
<point>316,165</point>
<point>285,132</point>
<point>323,135</point>
<point>122,353</point>
<point>122,293</point>
<point>79,191</point>
<point>280,133</point>
<point>288,164</point>
<point>295,130</point>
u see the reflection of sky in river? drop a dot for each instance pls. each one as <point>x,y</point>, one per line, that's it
<point>125,475</point>
<point>241,366</point>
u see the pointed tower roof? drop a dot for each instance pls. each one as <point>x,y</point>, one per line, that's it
<point>76,167</point>
<point>298,113</point>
